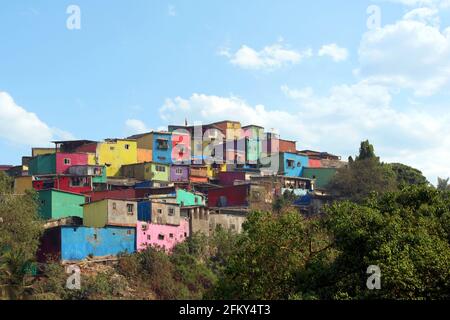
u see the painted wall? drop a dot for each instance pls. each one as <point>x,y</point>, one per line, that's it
<point>292,164</point>
<point>110,213</point>
<point>65,183</point>
<point>21,184</point>
<point>163,236</point>
<point>144,155</point>
<point>162,155</point>
<point>116,153</point>
<point>56,204</point>
<point>179,173</point>
<point>322,176</point>
<point>228,178</point>
<point>232,196</point>
<point>187,199</point>
<point>314,163</point>
<point>148,171</point>
<point>181,148</point>
<point>145,211</point>
<point>58,163</point>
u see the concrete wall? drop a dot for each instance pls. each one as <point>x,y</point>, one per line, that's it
<point>299,163</point>
<point>165,213</point>
<point>163,236</point>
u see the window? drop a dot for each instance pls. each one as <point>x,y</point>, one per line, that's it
<point>130,208</point>
<point>149,237</point>
<point>171,235</point>
<point>66,161</point>
<point>185,234</point>
<point>290,163</point>
<point>127,146</point>
<point>114,206</point>
<point>179,171</point>
<point>171,211</point>
<point>111,148</point>
<point>160,168</point>
<point>79,182</point>
<point>233,227</point>
<point>160,237</point>
<point>159,211</point>
<point>162,144</point>
<point>196,200</point>
<point>299,164</point>
<point>129,232</point>
<point>95,236</point>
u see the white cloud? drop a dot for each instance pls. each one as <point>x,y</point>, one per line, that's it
<point>336,122</point>
<point>334,51</point>
<point>19,126</point>
<point>423,3</point>
<point>269,58</point>
<point>134,126</point>
<point>410,53</point>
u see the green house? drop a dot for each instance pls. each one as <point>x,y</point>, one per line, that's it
<point>57,204</point>
<point>188,199</point>
<point>322,176</point>
<point>43,164</point>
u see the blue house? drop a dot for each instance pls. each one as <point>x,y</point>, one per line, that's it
<point>292,164</point>
<point>162,147</point>
<point>75,243</point>
<point>145,211</point>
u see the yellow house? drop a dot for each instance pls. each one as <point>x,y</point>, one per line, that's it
<point>21,184</point>
<point>113,153</point>
<point>214,169</point>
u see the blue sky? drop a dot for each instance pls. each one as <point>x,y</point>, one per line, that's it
<point>311,70</point>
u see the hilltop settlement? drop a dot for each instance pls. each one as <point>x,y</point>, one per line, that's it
<point>102,198</point>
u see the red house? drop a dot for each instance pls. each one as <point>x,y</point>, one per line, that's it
<point>69,183</point>
<point>231,196</point>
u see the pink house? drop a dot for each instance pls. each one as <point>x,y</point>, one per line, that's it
<point>159,235</point>
<point>65,160</point>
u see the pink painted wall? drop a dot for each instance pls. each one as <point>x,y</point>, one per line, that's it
<point>75,160</point>
<point>150,237</point>
<point>313,163</point>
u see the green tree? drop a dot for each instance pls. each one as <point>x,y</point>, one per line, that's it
<point>20,231</point>
<point>443,184</point>
<point>269,255</point>
<point>362,176</point>
<point>405,233</point>
<point>407,175</point>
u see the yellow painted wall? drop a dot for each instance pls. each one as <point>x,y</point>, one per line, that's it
<point>212,173</point>
<point>42,151</point>
<point>21,184</point>
<point>92,161</point>
<point>114,154</point>
<point>95,214</point>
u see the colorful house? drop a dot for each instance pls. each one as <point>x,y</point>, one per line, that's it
<point>254,136</point>
<point>292,164</point>
<point>198,174</point>
<point>148,171</point>
<point>179,173</point>
<point>231,196</point>
<point>69,183</point>
<point>57,204</point>
<point>161,236</point>
<point>186,199</point>
<point>321,176</point>
<point>166,213</point>
<point>56,163</point>
<point>110,212</point>
<point>69,243</point>
<point>98,173</point>
<point>112,153</point>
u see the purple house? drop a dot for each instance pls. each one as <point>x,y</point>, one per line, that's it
<point>179,173</point>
